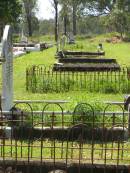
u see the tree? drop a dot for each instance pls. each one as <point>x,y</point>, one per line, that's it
<point>119,17</point>
<point>30,7</point>
<point>117,12</point>
<point>65,14</point>
<point>9,12</point>
<point>56,19</point>
<point>46,27</point>
<point>74,5</point>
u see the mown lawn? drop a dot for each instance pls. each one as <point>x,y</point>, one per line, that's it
<point>120,51</point>
<point>112,153</point>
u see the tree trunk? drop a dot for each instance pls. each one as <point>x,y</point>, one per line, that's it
<point>28,16</point>
<point>65,25</point>
<point>29,21</point>
<point>1,30</point>
<point>74,19</point>
<point>56,20</point>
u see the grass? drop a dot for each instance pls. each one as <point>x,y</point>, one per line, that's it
<point>48,149</point>
<point>45,80</point>
<point>118,51</point>
<point>43,38</point>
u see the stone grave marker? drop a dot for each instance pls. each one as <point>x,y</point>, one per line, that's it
<point>24,39</point>
<point>63,41</point>
<point>7,69</point>
<point>71,38</point>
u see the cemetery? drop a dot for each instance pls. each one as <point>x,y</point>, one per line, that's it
<point>84,61</point>
<point>64,104</point>
<point>22,48</point>
<point>83,139</point>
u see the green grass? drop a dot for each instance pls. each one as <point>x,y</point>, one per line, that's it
<point>45,80</point>
<point>119,51</point>
<point>110,151</point>
<point>44,38</point>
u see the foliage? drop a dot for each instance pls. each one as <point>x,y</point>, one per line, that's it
<point>118,12</point>
<point>118,20</point>
<point>29,9</point>
<point>10,11</point>
<point>46,27</point>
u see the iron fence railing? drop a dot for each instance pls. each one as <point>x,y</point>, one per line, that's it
<point>41,79</point>
<point>83,138</point>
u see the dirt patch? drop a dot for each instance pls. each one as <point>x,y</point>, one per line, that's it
<point>115,39</point>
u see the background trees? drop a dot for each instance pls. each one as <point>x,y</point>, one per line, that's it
<point>115,13</point>
<point>30,9</point>
<point>75,16</point>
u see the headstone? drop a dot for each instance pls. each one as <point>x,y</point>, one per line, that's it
<point>63,41</point>
<point>7,69</point>
<point>24,39</point>
<point>71,38</point>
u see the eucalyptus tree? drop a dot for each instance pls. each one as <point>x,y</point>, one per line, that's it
<point>30,7</point>
<point>73,6</point>
<point>55,2</point>
<point>65,14</point>
<point>115,12</point>
<point>119,17</point>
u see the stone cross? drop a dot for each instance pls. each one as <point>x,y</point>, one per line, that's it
<point>7,69</point>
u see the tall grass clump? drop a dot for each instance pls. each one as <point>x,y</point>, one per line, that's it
<point>49,81</point>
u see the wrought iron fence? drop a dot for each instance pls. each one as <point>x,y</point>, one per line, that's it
<point>41,79</point>
<point>85,141</point>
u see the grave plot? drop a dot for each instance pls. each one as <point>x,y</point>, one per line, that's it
<point>20,49</point>
<point>80,54</point>
<point>40,79</point>
<point>32,46</point>
<point>91,143</point>
<point>81,67</point>
<point>85,61</point>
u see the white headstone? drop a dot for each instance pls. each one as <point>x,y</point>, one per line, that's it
<point>7,69</point>
<point>63,42</point>
<point>24,39</point>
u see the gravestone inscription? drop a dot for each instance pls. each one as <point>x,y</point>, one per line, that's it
<point>7,69</point>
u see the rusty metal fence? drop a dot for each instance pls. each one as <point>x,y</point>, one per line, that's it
<point>80,141</point>
<point>42,79</point>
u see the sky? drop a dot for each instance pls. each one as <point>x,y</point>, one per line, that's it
<point>46,10</point>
